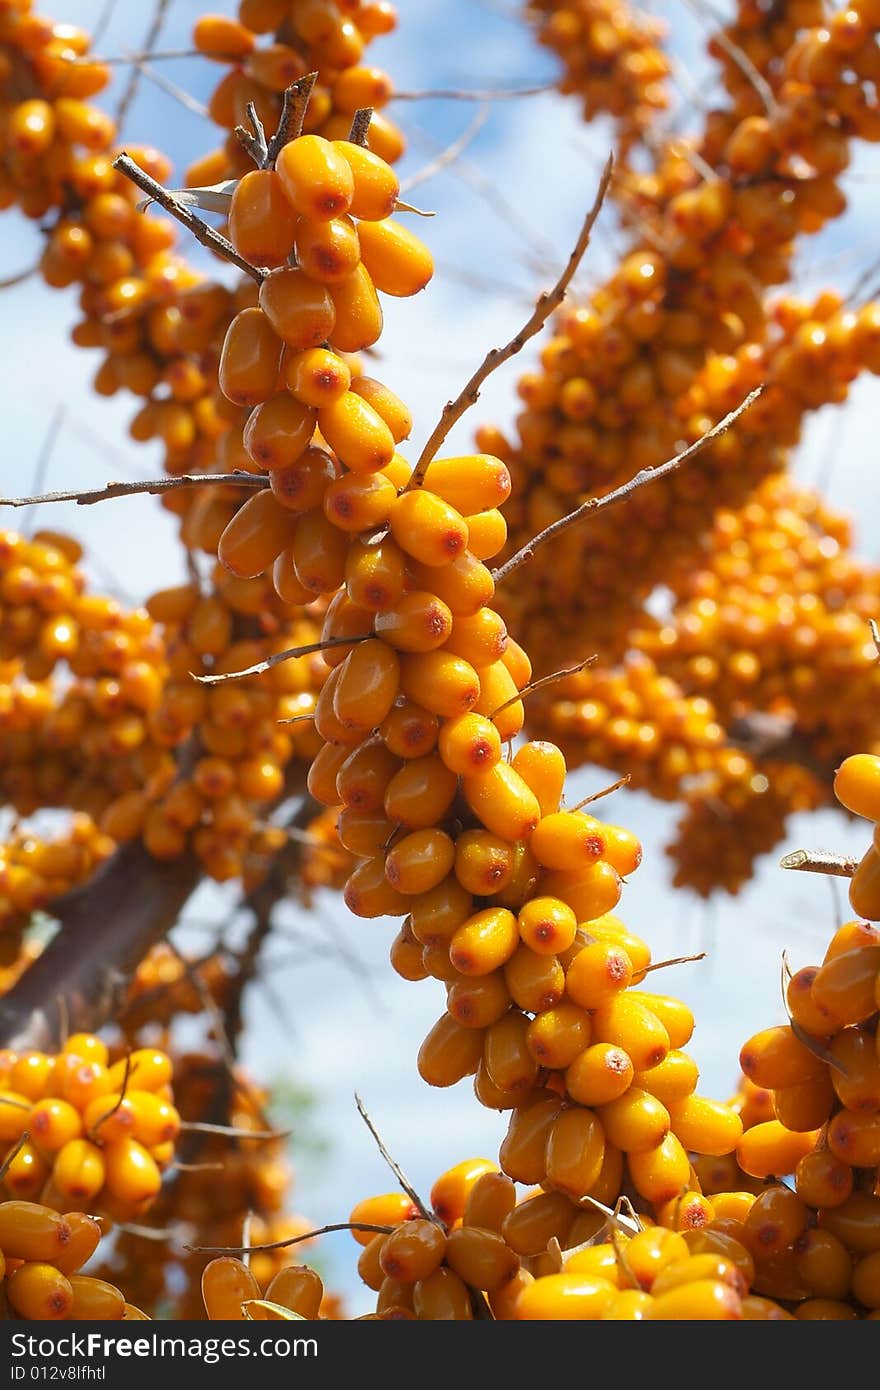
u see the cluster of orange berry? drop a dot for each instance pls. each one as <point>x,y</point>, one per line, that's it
<point>613,60</point>
<point>857,787</point>
<point>80,1130</point>
<point>232,1292</point>
<point>41,1252</point>
<point>327,37</point>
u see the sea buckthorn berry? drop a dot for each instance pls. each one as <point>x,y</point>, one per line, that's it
<point>79,1170</point>
<point>630,1024</point>
<point>776,1057</point>
<point>481,1257</point>
<point>610,928</point>
<point>567,839</point>
<point>857,785</point>
<point>317,180</point>
<point>449,1052</point>
<point>803,1009</point>
<point>417,622</point>
<point>850,936</point>
<point>359,502</point>
<point>262,224</point>
<point>386,1209</point>
<point>328,251</point>
<point>375,575</point>
<point>419,861</point>
<point>299,309</point>
<point>466,585</point>
<point>362,832</point>
<point>856,1222</point>
<point>662,1173</point>
<point>591,892</point>
<point>540,764</point>
<point>426,527</point>
<point>39,1292</point>
<point>499,700</point>
<point>675,1016</point>
<point>770,1150</point>
<point>854,1136</point>
<point>255,536</point>
<point>399,263</point>
<point>376,186</point>
<point>822,1179</point>
<point>300,486</point>
<point>443,684</point>
<point>319,550</point>
<point>490,1200</point>
<point>130,1171</point>
<point>480,638</point>
<point>501,800</point>
<point>413,1251</point>
<point>359,316</point>
<point>483,862</point>
<point>558,1036</point>
<point>321,778</point>
<point>574,1153</point>
<point>599,1074</point>
<point>95,1300</point>
<point>598,972</point>
<point>316,377</point>
<point>278,431</point>
<point>775,1221</point>
<point>410,731</point>
<point>469,743</point>
<point>535,982</point>
<point>866,1280</point>
<point>546,925</point>
<point>356,434</point>
<point>635,1121</point>
<point>506,1058</point>
<point>484,941</point>
<point>29,1231</point>
<point>535,1220</point>
<point>26,1172</point>
<point>522,1152</point>
<point>845,985</point>
<point>472,483</point>
<point>705,1126</point>
<point>478,1001</point>
<point>15,1110</point>
<point>392,409</point>
<point>566,1297</point>
<point>248,369</point>
<point>688,1211</point>
<point>806,1105</point>
<point>856,1078</point>
<point>435,916</point>
<point>405,957</point>
<point>420,793</point>
<point>449,1194</point>
<point>622,849</point>
<point>864,886</point>
<point>299,1288</point>
<point>226,1284</point>
<point>443,1296</point>
<point>704,1300</point>
<point>368,893</point>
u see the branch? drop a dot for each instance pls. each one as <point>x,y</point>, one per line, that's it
<point>293,112</point>
<point>454,410</point>
<point>393,1164</point>
<point>137,72</point>
<point>153,486</point>
<point>278,657</point>
<point>606,791</point>
<point>450,154</point>
<point>544,681</point>
<point>201,231</point>
<point>291,1240</point>
<point>620,494</point>
<point>465,94</point>
<point>360,126</point>
<point>820,861</point>
<point>107,929</point>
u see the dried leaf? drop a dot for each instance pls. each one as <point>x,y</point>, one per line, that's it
<point>215,197</point>
<point>261,1310</point>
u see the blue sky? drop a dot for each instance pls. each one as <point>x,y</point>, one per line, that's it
<point>501,234</point>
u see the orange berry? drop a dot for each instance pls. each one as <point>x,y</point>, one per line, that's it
<point>417,622</point>
<point>328,251</point>
<point>316,377</point>
<point>357,435</point>
<point>359,317</point>
<point>262,223</point>
<point>227,1284</point>
<point>857,785</point>
<point>249,360</point>
<point>376,186</point>
<point>317,179</point>
<point>299,309</point>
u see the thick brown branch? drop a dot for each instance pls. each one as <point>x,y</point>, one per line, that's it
<point>293,113</point>
<point>107,927</point>
<point>620,494</point>
<point>201,231</point>
<point>545,306</point>
<point>153,486</point>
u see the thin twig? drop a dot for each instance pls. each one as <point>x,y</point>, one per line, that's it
<point>253,140</point>
<point>544,681</point>
<point>19,277</point>
<point>41,467</point>
<point>820,861</point>
<point>606,791</point>
<point>875,633</point>
<point>736,54</point>
<point>291,1240</point>
<point>620,494</point>
<point>13,1154</point>
<point>360,126</point>
<point>232,1132</point>
<point>293,111</point>
<point>290,654</point>
<point>158,1233</point>
<point>200,230</point>
<point>393,1164</point>
<point>151,486</point>
<point>126,1076</point>
<point>474,94</point>
<point>675,960</point>
<point>136,73</point>
<point>454,410</point>
<point>171,89</point>
<point>450,154</point>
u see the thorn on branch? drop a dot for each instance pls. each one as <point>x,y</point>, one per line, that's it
<point>253,140</point>
<point>606,791</point>
<point>454,410</point>
<point>544,681</point>
<point>214,240</point>
<point>819,861</point>
<point>294,105</point>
